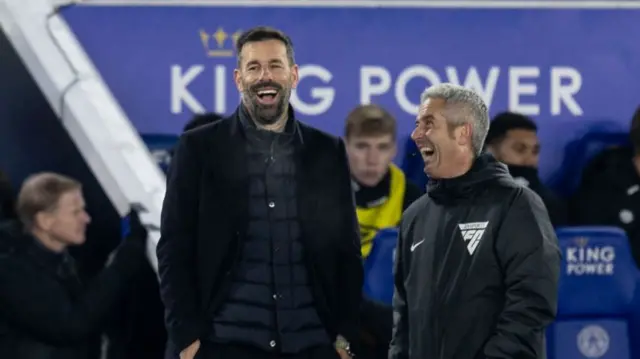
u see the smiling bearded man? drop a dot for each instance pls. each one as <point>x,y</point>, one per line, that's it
<point>260,250</point>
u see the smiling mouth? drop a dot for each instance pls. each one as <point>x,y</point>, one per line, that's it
<point>267,96</point>
<point>427,151</point>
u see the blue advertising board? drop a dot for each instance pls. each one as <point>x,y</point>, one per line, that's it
<point>568,69</point>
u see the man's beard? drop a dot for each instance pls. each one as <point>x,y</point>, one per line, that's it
<point>266,114</point>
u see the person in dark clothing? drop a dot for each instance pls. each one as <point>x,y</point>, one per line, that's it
<point>478,263</point>
<point>7,198</point>
<point>259,254</point>
<point>513,140</point>
<point>45,310</point>
<point>7,212</point>
<point>609,193</point>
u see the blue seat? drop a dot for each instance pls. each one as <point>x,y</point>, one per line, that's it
<point>598,283</point>
<point>378,266</point>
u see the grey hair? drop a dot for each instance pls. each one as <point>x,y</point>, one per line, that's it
<point>462,106</point>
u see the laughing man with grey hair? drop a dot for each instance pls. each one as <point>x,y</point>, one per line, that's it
<point>477,263</point>
<point>462,106</point>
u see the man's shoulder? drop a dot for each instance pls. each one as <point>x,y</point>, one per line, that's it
<point>507,191</point>
<point>504,190</point>
<point>11,236</point>
<point>14,262</point>
<point>207,131</point>
<point>530,200</point>
<point>513,197</point>
<point>416,208</point>
<point>317,137</point>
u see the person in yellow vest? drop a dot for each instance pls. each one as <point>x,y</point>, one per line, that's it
<point>382,193</point>
<point>381,189</point>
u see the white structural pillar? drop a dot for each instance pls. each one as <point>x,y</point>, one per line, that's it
<point>97,124</point>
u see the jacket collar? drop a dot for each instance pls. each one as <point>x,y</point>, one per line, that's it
<point>44,255</point>
<point>292,127</point>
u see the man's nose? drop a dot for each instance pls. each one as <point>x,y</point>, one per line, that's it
<point>417,134</point>
<point>530,160</point>
<point>266,74</point>
<point>370,157</point>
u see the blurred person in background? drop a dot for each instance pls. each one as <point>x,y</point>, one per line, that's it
<point>609,192</point>
<point>7,213</point>
<point>381,189</point>
<point>46,312</point>
<point>259,255</point>
<point>7,198</point>
<point>382,193</point>
<point>513,140</point>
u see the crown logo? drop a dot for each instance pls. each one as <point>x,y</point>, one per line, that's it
<point>581,241</point>
<point>216,44</point>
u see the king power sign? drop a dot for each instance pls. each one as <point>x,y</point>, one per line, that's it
<point>375,81</point>
<point>164,63</point>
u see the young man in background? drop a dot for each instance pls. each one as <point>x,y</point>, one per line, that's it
<point>513,140</point>
<point>381,189</point>
<point>382,193</point>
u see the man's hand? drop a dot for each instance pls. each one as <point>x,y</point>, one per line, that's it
<point>190,351</point>
<point>342,347</point>
<point>343,354</point>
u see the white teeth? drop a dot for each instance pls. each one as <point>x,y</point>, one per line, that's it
<point>267,92</point>
<point>427,150</point>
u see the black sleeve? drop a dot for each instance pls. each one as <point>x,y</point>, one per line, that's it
<point>351,272</point>
<point>411,193</point>
<point>176,248</point>
<point>40,306</point>
<point>527,249</point>
<point>399,348</point>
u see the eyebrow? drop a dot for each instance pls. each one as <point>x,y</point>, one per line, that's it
<point>425,118</point>
<point>272,61</point>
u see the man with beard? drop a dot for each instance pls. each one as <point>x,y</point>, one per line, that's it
<point>513,140</point>
<point>477,262</point>
<point>259,255</point>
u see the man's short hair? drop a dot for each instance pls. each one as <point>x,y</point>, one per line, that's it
<point>264,33</point>
<point>370,121</point>
<point>462,105</point>
<point>201,120</point>
<point>41,192</point>
<point>505,122</point>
